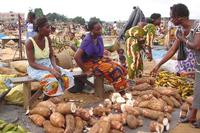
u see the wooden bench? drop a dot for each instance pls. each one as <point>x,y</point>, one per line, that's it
<point>28,99</point>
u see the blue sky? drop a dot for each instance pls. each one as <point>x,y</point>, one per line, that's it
<point>108,10</point>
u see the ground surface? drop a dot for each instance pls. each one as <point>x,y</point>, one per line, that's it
<point>12,113</point>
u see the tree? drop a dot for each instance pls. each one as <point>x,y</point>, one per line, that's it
<point>38,12</point>
<point>56,17</point>
<point>79,20</point>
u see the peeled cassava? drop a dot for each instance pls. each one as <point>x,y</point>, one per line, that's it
<point>66,108</point>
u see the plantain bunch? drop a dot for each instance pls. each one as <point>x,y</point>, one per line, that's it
<point>167,79</point>
<point>10,128</point>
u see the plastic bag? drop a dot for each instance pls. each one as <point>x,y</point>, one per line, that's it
<point>15,96</point>
<point>3,88</point>
<point>182,55</point>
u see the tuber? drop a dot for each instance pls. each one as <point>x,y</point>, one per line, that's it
<point>57,119</point>
<point>37,119</point>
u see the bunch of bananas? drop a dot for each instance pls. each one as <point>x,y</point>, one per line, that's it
<point>10,128</point>
<point>167,79</point>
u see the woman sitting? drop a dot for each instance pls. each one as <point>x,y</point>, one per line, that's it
<point>90,58</point>
<point>42,66</point>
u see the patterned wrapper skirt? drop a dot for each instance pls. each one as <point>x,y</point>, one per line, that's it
<point>51,85</point>
<point>110,70</point>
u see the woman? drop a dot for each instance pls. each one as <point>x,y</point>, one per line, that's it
<point>90,58</point>
<point>42,66</point>
<point>192,41</point>
<point>184,67</point>
<point>135,43</point>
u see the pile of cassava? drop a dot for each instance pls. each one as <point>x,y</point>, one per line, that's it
<point>142,101</point>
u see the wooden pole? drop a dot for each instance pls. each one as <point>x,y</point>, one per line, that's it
<point>20,42</point>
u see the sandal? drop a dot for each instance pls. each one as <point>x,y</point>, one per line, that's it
<point>196,124</point>
<point>186,120</point>
<point>131,82</point>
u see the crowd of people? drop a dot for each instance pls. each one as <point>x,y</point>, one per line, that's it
<point>90,54</point>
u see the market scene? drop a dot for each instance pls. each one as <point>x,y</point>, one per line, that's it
<point>80,74</point>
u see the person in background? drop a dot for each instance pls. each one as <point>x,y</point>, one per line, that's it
<point>90,57</point>
<point>42,65</point>
<point>30,25</point>
<point>170,34</point>
<point>184,67</point>
<point>138,39</point>
<point>122,58</point>
<point>191,40</point>
<point>115,28</point>
<point>74,42</point>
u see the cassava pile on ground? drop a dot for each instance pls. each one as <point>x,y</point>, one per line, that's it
<point>144,100</point>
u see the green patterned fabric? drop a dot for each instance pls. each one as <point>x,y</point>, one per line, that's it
<point>136,38</point>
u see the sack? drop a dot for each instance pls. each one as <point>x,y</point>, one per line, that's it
<point>182,55</point>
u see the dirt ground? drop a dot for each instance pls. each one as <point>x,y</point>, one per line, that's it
<point>12,113</point>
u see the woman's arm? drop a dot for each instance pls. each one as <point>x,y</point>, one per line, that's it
<point>78,58</point>
<point>169,54</point>
<point>195,44</point>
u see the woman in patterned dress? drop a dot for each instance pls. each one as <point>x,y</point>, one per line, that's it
<point>184,67</point>
<point>138,39</point>
<point>192,41</point>
<point>90,57</point>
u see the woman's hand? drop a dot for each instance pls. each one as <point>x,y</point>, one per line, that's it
<point>56,73</point>
<point>88,73</point>
<point>106,53</point>
<point>57,69</point>
<point>180,34</point>
<point>149,56</point>
<point>154,71</point>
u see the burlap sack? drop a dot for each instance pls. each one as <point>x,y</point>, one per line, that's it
<point>20,66</point>
<point>64,60</point>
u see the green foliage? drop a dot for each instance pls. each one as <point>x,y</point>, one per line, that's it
<point>53,17</point>
<point>38,12</point>
<point>79,20</point>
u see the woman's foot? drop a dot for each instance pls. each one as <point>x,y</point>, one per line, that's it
<point>196,124</point>
<point>187,120</point>
<point>131,83</point>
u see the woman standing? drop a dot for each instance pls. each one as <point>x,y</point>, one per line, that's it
<point>192,41</point>
<point>181,17</point>
<point>42,66</point>
<point>138,39</point>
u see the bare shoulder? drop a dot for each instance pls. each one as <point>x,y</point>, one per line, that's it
<point>29,44</point>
